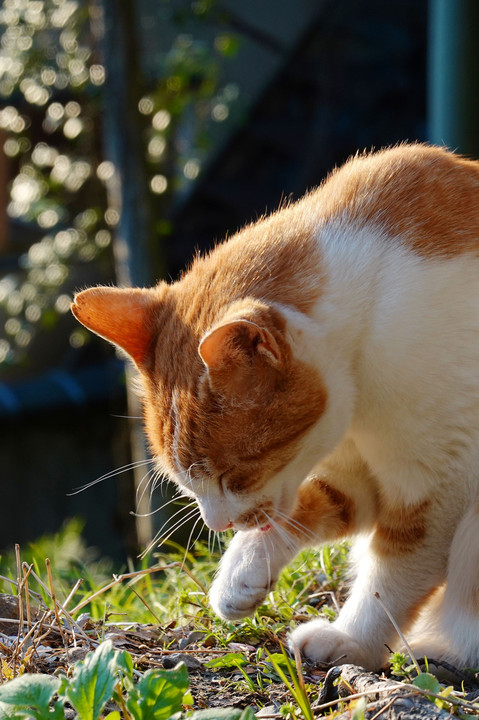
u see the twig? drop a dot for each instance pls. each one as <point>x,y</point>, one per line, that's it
<point>399,632</point>
<point>20,608</point>
<point>27,594</point>
<point>34,628</point>
<point>55,608</point>
<point>195,579</point>
<point>146,605</point>
<point>15,584</point>
<point>453,700</point>
<point>72,592</point>
<point>20,587</point>
<point>384,708</point>
<point>36,641</point>
<point>73,622</point>
<point>119,578</point>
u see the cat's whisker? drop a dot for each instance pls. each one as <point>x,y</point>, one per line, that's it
<point>214,538</point>
<point>298,527</point>
<point>191,506</point>
<point>282,532</point>
<point>127,417</point>
<point>217,537</point>
<point>266,551</point>
<point>143,486</point>
<point>167,528</point>
<point>158,480</point>
<point>110,474</point>
<point>160,540</point>
<point>174,499</point>
<point>187,548</point>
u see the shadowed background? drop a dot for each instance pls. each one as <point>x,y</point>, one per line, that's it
<point>134,132</point>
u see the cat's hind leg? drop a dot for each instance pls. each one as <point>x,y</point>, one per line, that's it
<point>448,629</point>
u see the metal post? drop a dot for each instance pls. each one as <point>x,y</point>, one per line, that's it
<point>454,75</point>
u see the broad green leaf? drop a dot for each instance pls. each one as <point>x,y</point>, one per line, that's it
<point>115,715</point>
<point>277,659</point>
<point>428,682</point>
<point>158,694</point>
<point>230,660</point>
<point>28,692</point>
<point>93,681</point>
<point>187,698</point>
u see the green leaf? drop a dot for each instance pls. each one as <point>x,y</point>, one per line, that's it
<point>277,659</point>
<point>28,692</point>
<point>428,682</point>
<point>93,681</point>
<point>115,715</point>
<point>230,660</point>
<point>248,714</point>
<point>158,694</point>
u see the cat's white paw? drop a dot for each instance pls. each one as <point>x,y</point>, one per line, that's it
<point>320,641</point>
<point>247,572</point>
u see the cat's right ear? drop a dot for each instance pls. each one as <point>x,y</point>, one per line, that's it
<point>124,316</point>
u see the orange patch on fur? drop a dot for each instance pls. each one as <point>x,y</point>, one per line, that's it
<point>400,530</point>
<point>321,503</point>
<point>414,610</point>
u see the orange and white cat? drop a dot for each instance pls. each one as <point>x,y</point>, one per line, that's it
<point>317,377</point>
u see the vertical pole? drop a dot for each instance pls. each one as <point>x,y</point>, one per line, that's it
<point>128,196</point>
<point>453,102</point>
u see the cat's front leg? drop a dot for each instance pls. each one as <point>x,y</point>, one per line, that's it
<point>403,570</point>
<point>247,572</point>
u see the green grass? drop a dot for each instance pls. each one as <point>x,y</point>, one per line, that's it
<point>177,591</point>
<point>169,588</point>
<point>167,591</point>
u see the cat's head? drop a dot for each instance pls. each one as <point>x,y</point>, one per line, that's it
<point>226,402</point>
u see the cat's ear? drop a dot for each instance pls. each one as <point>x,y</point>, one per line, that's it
<point>237,343</point>
<point>124,316</point>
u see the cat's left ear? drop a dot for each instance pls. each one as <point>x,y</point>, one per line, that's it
<point>238,343</point>
<point>124,316</point>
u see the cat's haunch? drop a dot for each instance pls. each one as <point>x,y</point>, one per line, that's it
<point>317,377</point>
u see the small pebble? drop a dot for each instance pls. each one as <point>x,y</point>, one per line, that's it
<point>192,663</point>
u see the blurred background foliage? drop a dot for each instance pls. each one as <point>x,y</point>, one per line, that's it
<point>52,75</point>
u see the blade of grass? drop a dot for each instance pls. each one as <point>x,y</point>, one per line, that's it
<point>297,691</point>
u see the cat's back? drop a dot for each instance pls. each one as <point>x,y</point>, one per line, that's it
<point>425,196</point>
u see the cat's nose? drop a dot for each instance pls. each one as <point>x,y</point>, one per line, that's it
<point>219,526</point>
<point>214,518</point>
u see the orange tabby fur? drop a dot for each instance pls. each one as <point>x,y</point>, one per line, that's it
<point>316,377</point>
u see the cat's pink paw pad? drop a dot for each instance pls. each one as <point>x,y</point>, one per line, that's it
<point>319,641</point>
